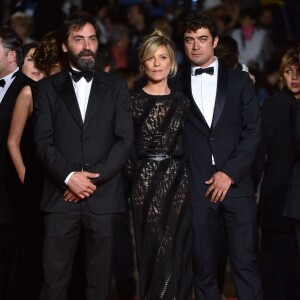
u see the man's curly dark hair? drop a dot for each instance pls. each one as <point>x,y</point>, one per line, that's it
<point>196,20</point>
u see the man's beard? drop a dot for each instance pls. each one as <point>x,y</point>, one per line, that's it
<point>82,64</point>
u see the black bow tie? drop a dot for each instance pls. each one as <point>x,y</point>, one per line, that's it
<point>2,82</point>
<point>209,71</point>
<point>78,75</point>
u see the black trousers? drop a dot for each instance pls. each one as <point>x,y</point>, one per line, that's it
<point>279,265</point>
<point>239,216</point>
<point>62,232</point>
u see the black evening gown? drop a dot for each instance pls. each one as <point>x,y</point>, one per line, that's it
<point>160,197</point>
<point>26,267</point>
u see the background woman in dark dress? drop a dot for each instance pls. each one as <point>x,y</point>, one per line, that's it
<point>160,197</point>
<point>26,265</point>
<point>274,159</point>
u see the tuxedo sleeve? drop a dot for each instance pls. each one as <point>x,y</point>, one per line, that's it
<point>239,162</point>
<point>123,133</point>
<point>55,164</point>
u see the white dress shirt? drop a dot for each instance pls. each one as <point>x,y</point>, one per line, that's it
<point>204,90</point>
<point>8,81</point>
<point>82,90</point>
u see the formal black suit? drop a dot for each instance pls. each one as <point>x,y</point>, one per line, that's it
<point>232,140</point>
<point>100,144</point>
<point>8,177</point>
<point>273,161</point>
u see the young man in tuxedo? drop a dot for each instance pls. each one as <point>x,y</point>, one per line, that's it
<point>83,135</point>
<point>12,80</point>
<point>221,139</point>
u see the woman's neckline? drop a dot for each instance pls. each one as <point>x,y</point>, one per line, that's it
<point>157,94</point>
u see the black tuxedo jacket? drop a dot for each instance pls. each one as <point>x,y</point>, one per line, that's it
<point>292,205</point>
<point>232,138</point>
<point>8,176</point>
<point>101,144</point>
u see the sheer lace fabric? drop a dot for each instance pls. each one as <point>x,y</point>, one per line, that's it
<point>160,197</point>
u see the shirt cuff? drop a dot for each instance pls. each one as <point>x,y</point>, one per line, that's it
<point>68,178</point>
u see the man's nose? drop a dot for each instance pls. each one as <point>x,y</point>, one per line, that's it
<point>87,44</point>
<point>196,44</point>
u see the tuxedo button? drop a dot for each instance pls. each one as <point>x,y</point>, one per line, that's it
<point>84,166</point>
<point>211,139</point>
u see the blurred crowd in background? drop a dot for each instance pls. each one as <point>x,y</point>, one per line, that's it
<point>254,35</point>
<point>263,30</point>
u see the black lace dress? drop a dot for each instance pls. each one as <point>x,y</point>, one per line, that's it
<point>160,197</point>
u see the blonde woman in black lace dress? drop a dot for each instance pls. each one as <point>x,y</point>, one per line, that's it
<point>160,197</point>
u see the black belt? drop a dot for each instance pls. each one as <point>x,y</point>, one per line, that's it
<point>159,157</point>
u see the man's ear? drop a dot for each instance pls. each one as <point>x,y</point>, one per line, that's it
<point>215,42</point>
<point>64,47</point>
<point>12,56</point>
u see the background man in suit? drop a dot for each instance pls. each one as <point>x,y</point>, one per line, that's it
<point>221,139</point>
<point>83,134</point>
<point>12,80</point>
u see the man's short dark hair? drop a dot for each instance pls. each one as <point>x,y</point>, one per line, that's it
<point>11,41</point>
<point>77,24</point>
<point>196,20</point>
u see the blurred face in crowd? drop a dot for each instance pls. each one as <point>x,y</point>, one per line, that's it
<point>21,31</point>
<point>81,47</point>
<point>123,43</point>
<point>134,17</point>
<point>247,21</point>
<point>158,66</point>
<point>291,79</point>
<point>199,47</point>
<point>29,68</point>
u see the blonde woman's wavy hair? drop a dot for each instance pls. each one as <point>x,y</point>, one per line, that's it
<point>149,46</point>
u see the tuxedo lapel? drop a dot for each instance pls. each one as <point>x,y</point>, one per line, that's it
<point>11,95</point>
<point>196,116</point>
<point>11,90</point>
<point>220,95</point>
<point>98,90</point>
<point>66,91</point>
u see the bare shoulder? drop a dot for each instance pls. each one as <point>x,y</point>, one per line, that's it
<point>26,91</point>
<point>25,97</point>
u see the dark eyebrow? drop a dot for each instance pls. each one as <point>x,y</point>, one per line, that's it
<point>81,36</point>
<point>197,37</point>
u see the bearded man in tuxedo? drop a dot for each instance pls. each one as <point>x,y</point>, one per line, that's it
<point>83,135</point>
